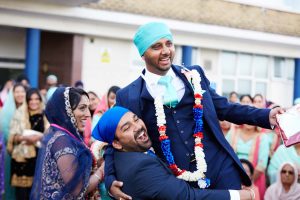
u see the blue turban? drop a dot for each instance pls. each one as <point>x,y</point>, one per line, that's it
<point>150,33</point>
<point>106,127</point>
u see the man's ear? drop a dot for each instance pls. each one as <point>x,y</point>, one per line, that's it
<point>143,57</point>
<point>117,145</point>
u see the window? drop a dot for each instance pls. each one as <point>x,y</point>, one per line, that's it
<point>284,68</point>
<point>228,63</point>
<point>278,67</point>
<point>244,73</point>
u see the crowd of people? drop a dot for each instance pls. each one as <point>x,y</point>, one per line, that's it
<point>167,135</point>
<point>24,123</point>
<point>262,148</point>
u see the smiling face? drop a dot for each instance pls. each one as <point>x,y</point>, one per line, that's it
<point>131,134</point>
<point>94,101</point>
<point>82,113</point>
<point>159,56</point>
<point>19,94</point>
<point>34,103</point>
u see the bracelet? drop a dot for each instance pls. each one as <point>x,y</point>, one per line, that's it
<point>99,178</point>
<point>252,193</point>
<point>277,106</point>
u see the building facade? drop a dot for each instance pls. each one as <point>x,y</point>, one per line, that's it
<point>245,48</point>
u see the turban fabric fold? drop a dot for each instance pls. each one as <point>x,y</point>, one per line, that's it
<point>106,127</point>
<point>150,33</point>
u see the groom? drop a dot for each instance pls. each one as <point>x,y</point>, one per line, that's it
<point>154,42</point>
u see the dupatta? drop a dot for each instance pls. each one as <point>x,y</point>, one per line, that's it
<point>62,139</point>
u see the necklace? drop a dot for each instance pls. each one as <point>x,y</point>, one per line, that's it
<point>199,175</point>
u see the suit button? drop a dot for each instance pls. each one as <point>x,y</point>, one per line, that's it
<point>178,121</point>
<point>185,142</point>
<point>181,131</point>
<point>174,111</point>
<point>187,154</point>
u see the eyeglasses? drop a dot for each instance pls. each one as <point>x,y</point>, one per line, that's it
<point>285,171</point>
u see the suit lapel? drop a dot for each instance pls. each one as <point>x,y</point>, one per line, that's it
<point>177,70</point>
<point>135,103</point>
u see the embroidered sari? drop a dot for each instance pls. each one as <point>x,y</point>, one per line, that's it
<point>64,162</point>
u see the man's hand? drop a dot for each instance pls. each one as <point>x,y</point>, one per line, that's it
<point>273,113</point>
<point>247,193</point>
<point>115,191</point>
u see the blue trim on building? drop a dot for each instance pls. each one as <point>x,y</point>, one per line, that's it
<point>187,55</point>
<point>33,37</point>
<point>297,79</point>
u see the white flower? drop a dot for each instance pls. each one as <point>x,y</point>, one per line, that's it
<point>202,183</point>
<point>201,165</point>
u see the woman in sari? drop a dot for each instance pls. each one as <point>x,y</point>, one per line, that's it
<point>14,100</point>
<point>273,135</point>
<point>286,186</point>
<point>66,168</point>
<point>27,127</point>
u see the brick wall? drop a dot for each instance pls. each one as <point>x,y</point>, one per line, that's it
<point>216,12</point>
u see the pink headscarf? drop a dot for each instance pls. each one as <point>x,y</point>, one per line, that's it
<point>276,190</point>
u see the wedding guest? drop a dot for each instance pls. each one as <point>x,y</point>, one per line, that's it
<point>233,97</point>
<point>66,168</point>
<point>15,99</point>
<point>51,83</point>
<point>23,147</point>
<point>286,186</point>
<point>248,143</point>
<point>144,175</point>
<point>107,101</point>
<point>249,169</point>
<point>5,91</point>
<point>281,155</point>
<point>273,136</point>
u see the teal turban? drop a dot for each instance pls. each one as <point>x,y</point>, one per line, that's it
<point>148,34</point>
<point>106,127</point>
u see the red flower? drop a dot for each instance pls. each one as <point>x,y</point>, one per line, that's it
<point>163,137</point>
<point>198,96</point>
<point>176,171</point>
<point>199,135</point>
<point>199,145</point>
<point>198,106</point>
<point>162,128</point>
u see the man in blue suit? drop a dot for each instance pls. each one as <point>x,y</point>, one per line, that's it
<point>155,44</point>
<point>144,175</point>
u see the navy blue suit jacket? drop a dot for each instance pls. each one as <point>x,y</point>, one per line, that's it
<point>221,159</point>
<point>147,177</point>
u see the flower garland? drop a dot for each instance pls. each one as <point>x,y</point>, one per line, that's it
<point>198,175</point>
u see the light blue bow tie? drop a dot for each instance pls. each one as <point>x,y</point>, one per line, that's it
<point>170,95</point>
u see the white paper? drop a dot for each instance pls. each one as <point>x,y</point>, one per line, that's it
<point>289,121</point>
